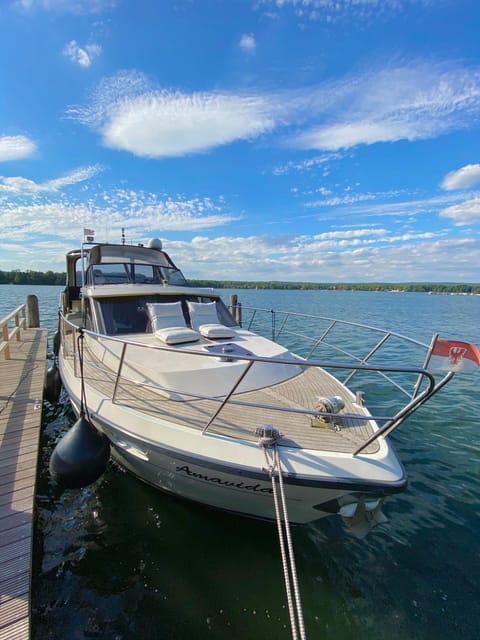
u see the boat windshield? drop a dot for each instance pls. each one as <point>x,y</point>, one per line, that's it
<point>121,264</point>
<point>121,273</point>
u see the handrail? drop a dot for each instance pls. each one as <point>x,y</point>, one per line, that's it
<point>360,325</point>
<point>19,316</point>
<point>288,361</point>
<point>389,423</point>
<point>369,355</point>
<point>333,323</point>
<point>229,395</point>
<point>120,365</point>
<point>404,413</point>
<point>319,340</point>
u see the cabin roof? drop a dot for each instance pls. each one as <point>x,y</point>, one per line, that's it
<point>119,253</point>
<point>142,290</point>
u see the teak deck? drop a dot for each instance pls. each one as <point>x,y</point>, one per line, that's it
<point>240,420</point>
<point>21,392</point>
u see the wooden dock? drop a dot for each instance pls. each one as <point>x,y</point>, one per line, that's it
<point>22,376</point>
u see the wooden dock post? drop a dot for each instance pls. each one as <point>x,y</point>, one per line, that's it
<point>236,308</point>
<point>33,312</point>
<point>22,377</point>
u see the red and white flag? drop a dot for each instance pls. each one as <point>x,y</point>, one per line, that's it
<point>453,355</point>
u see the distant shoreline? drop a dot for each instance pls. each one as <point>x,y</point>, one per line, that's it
<point>38,278</point>
<point>418,287</point>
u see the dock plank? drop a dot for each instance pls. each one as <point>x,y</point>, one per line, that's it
<point>15,534</point>
<point>21,391</point>
<point>15,587</point>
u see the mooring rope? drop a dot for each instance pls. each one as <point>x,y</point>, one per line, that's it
<point>286,574</point>
<point>293,568</point>
<point>283,526</point>
<point>83,395</point>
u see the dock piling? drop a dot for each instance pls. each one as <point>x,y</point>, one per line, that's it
<point>33,312</point>
<point>236,308</point>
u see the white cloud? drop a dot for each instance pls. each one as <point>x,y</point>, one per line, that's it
<point>352,254</point>
<point>350,197</point>
<point>31,210</point>
<point>467,212</point>
<point>351,134</point>
<point>134,116</point>
<point>463,178</point>
<point>330,11</point>
<point>68,6</point>
<point>142,211</point>
<point>172,124</point>
<point>336,201</point>
<point>81,56</point>
<point>16,148</point>
<point>417,257</point>
<point>247,42</point>
<point>308,164</point>
<point>411,102</point>
<point>18,185</point>
<point>66,219</point>
<point>408,208</point>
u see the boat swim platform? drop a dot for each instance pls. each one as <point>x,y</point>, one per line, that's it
<point>22,378</point>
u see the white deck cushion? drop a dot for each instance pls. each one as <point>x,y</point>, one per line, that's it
<point>165,314</point>
<point>204,318</point>
<point>216,330</point>
<point>177,335</point>
<point>202,313</point>
<point>168,323</point>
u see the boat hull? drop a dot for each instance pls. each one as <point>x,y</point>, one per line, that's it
<point>247,490</point>
<point>249,495</point>
<point>225,470</point>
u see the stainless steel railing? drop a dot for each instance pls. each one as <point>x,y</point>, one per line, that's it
<point>282,318</point>
<point>423,385</point>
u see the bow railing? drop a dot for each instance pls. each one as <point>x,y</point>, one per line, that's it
<point>354,370</point>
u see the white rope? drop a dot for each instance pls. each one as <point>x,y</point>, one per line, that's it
<point>293,568</point>
<point>286,575</point>
<point>288,560</point>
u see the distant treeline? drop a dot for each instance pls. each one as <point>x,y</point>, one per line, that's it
<point>32,277</point>
<point>50,277</point>
<point>425,287</point>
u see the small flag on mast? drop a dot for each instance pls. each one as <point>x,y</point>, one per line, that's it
<point>88,232</point>
<point>453,355</point>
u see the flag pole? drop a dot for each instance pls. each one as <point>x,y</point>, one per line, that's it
<point>425,364</point>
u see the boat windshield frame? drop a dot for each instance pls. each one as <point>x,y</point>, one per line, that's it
<point>121,264</point>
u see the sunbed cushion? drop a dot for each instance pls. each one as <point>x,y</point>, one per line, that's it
<point>204,318</point>
<point>168,323</point>
<point>202,313</point>
<point>216,330</point>
<point>165,314</point>
<point>177,335</point>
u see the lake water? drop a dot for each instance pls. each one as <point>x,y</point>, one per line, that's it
<point>119,560</point>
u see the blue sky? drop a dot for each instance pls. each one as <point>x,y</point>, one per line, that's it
<point>306,140</point>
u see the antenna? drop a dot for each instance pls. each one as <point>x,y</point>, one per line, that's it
<point>123,235</point>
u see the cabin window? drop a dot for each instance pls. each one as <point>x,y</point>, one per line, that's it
<point>122,315</point>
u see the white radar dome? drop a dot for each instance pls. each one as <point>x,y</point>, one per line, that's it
<point>155,243</point>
